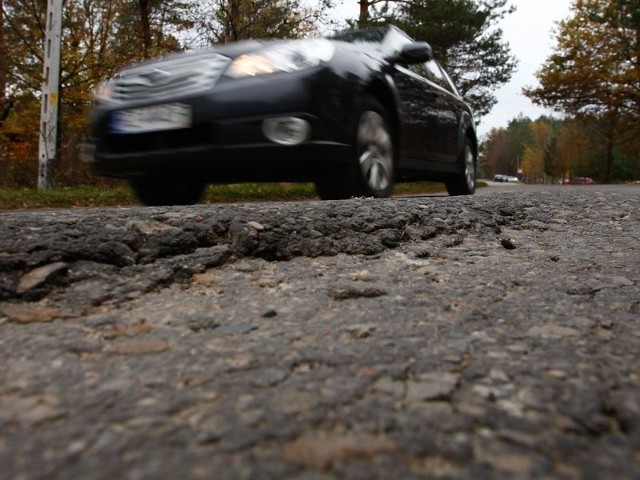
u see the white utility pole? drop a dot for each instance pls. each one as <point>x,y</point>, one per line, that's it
<point>50,90</point>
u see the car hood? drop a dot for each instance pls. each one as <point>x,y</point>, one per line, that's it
<point>231,51</point>
<point>196,71</point>
<point>235,49</point>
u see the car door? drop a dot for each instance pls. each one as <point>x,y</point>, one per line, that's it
<point>429,112</point>
<point>446,109</point>
<point>415,98</point>
<point>429,117</point>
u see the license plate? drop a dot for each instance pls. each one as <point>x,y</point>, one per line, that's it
<point>170,116</point>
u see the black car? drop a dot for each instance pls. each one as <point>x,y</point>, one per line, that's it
<point>352,113</point>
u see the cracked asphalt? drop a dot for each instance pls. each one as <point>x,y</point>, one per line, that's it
<point>493,336</point>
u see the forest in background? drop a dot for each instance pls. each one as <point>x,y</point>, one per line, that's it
<point>102,36</point>
<point>592,79</point>
<point>550,150</point>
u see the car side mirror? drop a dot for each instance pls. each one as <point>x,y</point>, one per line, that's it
<point>416,52</point>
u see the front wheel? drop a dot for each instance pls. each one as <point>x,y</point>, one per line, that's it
<point>371,172</point>
<point>162,191</point>
<point>464,183</point>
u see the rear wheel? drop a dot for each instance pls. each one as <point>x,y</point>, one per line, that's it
<point>155,191</point>
<point>464,183</point>
<point>371,172</point>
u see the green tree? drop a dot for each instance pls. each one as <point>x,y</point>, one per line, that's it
<point>370,12</point>
<point>493,155</point>
<point>519,137</point>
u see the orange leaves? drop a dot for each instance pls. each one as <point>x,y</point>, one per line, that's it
<point>595,66</point>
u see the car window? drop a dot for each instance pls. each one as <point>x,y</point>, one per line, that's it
<point>452,86</point>
<point>394,41</point>
<point>436,74</point>
<point>389,40</point>
<point>373,36</point>
<point>419,69</point>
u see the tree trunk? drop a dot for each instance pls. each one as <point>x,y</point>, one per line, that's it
<point>3,63</point>
<point>146,27</point>
<point>364,14</point>
<point>609,164</point>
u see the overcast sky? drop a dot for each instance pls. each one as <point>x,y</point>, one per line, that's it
<point>529,32</point>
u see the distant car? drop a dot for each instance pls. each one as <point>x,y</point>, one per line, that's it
<point>505,178</point>
<point>352,113</point>
<point>579,181</point>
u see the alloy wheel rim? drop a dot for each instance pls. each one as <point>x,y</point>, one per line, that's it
<point>469,168</point>
<point>375,145</point>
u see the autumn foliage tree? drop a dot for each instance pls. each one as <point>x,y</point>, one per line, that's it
<point>549,150</point>
<point>594,72</point>
<point>532,163</point>
<point>98,38</point>
<point>574,148</point>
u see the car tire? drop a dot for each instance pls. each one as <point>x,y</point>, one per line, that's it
<point>371,172</point>
<point>464,183</point>
<point>163,192</point>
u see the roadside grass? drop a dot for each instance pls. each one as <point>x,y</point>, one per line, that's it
<point>121,196</point>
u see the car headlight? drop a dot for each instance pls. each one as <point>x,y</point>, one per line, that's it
<point>104,91</point>
<point>289,57</point>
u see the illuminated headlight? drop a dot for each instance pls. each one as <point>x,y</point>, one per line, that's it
<point>290,57</point>
<point>104,91</point>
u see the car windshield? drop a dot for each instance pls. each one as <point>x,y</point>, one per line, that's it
<point>389,40</point>
<point>373,36</point>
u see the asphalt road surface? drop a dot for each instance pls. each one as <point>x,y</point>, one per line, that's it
<point>493,336</point>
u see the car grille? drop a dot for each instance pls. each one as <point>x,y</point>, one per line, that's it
<point>181,75</point>
<point>161,141</point>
